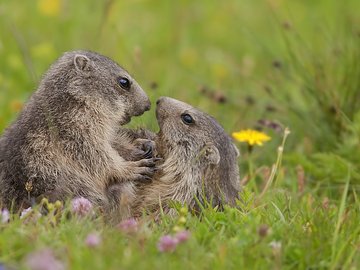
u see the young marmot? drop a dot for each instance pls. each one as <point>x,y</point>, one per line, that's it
<point>61,143</point>
<point>200,161</point>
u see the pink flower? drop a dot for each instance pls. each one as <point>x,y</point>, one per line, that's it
<point>5,216</point>
<point>167,243</point>
<point>128,225</point>
<point>43,260</point>
<point>183,236</point>
<point>93,240</point>
<point>81,206</point>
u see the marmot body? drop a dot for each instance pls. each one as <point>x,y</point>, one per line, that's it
<point>61,142</point>
<point>200,160</point>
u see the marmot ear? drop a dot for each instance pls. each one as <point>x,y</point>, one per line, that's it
<point>236,150</point>
<point>211,154</point>
<point>81,62</point>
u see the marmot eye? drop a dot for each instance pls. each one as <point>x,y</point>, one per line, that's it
<point>187,119</point>
<point>124,83</point>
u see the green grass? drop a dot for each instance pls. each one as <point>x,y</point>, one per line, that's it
<point>292,62</point>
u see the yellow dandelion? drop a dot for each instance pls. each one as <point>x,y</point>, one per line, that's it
<point>49,8</point>
<point>251,136</point>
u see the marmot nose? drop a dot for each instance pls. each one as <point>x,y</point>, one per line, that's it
<point>147,108</point>
<point>159,100</point>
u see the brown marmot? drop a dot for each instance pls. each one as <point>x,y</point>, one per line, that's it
<point>199,162</point>
<point>60,145</point>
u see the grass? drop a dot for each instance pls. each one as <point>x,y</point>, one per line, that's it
<point>293,63</point>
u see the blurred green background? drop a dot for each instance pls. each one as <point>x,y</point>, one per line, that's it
<point>251,64</point>
<point>287,63</point>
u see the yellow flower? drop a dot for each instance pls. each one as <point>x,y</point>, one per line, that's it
<point>15,62</point>
<point>16,105</point>
<point>251,136</point>
<point>44,50</point>
<point>188,57</point>
<point>49,8</point>
<point>219,71</point>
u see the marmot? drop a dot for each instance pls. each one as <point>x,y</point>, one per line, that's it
<point>61,143</point>
<point>199,161</point>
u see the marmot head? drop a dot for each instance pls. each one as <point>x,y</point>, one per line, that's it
<point>201,150</point>
<point>93,78</point>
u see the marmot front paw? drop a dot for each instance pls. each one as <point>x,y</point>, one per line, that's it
<point>145,169</point>
<point>145,149</point>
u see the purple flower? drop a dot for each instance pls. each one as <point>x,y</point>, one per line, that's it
<point>43,260</point>
<point>81,206</point>
<point>128,225</point>
<point>5,216</point>
<point>183,236</point>
<point>93,240</point>
<point>25,212</point>
<point>30,215</point>
<point>167,243</point>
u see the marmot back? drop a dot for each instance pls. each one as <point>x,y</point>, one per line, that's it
<point>61,142</point>
<point>199,160</point>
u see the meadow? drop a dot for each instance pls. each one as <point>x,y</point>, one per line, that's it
<point>276,66</point>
